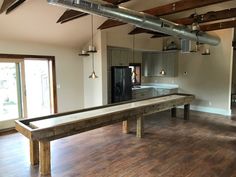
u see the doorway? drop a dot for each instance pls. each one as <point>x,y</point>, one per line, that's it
<point>27,89</point>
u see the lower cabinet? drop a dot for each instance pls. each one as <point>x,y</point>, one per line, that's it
<point>164,91</point>
<point>142,93</point>
<point>151,92</point>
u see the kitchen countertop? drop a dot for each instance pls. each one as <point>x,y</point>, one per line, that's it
<point>156,85</point>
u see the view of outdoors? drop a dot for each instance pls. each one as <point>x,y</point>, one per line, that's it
<point>37,87</point>
<point>19,99</point>
<point>8,92</point>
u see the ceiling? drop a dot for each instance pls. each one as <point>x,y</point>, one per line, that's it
<point>35,21</point>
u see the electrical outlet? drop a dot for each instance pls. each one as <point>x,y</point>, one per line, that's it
<point>210,103</point>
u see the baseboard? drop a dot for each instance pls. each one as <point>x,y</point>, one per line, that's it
<point>210,110</point>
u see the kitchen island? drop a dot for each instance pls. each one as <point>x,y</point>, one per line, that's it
<point>149,90</point>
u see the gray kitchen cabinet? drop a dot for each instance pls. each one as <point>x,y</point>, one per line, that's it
<point>142,93</point>
<point>152,92</point>
<point>164,91</point>
<point>118,56</point>
<point>170,63</point>
<point>137,56</point>
<point>154,62</point>
<point>151,63</point>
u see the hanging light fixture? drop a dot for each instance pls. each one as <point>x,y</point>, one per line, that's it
<point>162,72</point>
<point>92,50</point>
<point>133,72</point>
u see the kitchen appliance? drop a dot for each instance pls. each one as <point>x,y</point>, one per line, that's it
<point>121,84</point>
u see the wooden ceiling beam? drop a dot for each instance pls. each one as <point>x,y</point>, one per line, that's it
<point>218,26</point>
<point>116,2</point>
<point>207,17</point>
<point>110,23</point>
<point>213,26</point>
<point>180,6</point>
<point>168,9</point>
<point>69,14</point>
<point>159,35</point>
<point>6,4</point>
<point>14,6</point>
<point>141,30</point>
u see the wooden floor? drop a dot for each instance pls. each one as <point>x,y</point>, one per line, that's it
<point>204,146</point>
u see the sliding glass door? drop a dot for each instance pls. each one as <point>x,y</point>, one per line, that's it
<point>37,81</point>
<point>25,90</point>
<point>11,97</point>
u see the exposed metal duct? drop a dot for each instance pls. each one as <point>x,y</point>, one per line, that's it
<point>138,19</point>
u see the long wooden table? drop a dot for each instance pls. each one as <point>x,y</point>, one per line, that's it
<point>40,131</point>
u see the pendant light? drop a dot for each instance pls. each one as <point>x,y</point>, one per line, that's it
<point>133,72</point>
<point>162,72</point>
<point>92,50</point>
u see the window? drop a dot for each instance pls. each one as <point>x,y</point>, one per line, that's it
<point>136,73</point>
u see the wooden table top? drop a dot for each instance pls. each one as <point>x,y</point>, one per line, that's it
<point>52,122</point>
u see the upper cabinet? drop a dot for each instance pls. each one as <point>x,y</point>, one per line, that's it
<point>155,62</point>
<point>118,56</point>
<point>170,63</point>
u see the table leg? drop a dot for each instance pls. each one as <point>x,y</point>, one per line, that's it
<point>139,129</point>
<point>186,111</point>
<point>44,158</point>
<point>34,152</point>
<point>126,126</point>
<point>173,112</point>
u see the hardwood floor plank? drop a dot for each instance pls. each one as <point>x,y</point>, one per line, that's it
<point>203,146</point>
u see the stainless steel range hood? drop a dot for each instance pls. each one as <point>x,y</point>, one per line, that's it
<point>138,19</point>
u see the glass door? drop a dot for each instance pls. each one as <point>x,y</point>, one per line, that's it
<point>26,89</point>
<point>38,92</point>
<point>10,93</point>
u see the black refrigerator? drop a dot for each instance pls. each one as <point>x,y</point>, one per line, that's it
<point>121,84</point>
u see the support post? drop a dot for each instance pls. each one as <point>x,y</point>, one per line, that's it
<point>173,112</point>
<point>126,126</point>
<point>44,158</point>
<point>186,111</point>
<point>139,129</point>
<point>34,152</point>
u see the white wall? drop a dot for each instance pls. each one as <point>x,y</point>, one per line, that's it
<point>93,88</point>
<point>208,76</point>
<point>69,70</point>
<point>119,37</point>
<point>234,73</point>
